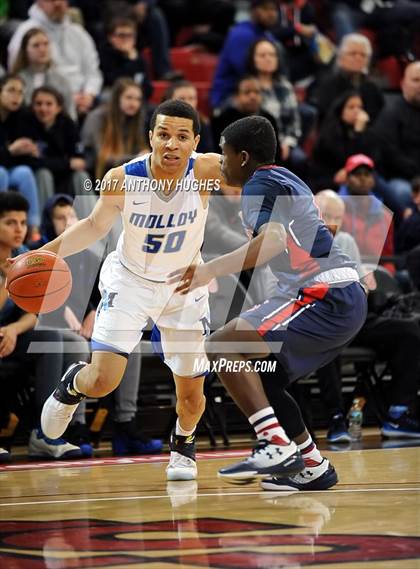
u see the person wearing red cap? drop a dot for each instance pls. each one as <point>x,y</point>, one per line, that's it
<point>358,160</point>
<point>366,218</point>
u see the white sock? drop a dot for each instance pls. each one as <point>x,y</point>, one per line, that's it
<point>267,427</point>
<point>75,386</point>
<point>180,431</point>
<point>310,453</point>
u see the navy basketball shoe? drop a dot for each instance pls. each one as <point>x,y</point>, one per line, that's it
<point>267,459</point>
<point>320,477</point>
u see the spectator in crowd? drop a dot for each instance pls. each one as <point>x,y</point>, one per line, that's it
<point>332,210</point>
<point>399,130</point>
<point>152,32</point>
<point>117,131</point>
<point>408,235</point>
<point>120,56</point>
<point>394,22</point>
<point>366,218</point>
<point>306,48</point>
<point>17,331</point>
<point>35,66</point>
<point>210,20</point>
<point>247,101</point>
<point>224,230</point>
<point>278,99</point>
<point>56,136</point>
<point>16,148</point>
<point>347,131</point>
<point>73,50</point>
<point>187,92</point>
<point>78,315</point>
<point>351,73</point>
<point>395,341</point>
<point>232,60</point>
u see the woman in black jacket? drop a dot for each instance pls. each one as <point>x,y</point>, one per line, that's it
<point>345,132</point>
<point>56,136</point>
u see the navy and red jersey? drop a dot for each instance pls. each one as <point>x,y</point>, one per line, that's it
<point>274,194</point>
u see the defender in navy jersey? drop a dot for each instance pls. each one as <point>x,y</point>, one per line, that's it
<point>318,308</point>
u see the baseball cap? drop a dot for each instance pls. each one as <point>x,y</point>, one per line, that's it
<point>358,160</point>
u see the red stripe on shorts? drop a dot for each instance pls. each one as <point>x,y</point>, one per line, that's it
<point>316,292</point>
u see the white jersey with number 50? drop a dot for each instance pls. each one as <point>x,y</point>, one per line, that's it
<point>161,233</point>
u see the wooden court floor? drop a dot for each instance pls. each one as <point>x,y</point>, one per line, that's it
<point>121,513</point>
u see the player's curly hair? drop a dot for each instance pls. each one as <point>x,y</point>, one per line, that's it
<point>175,108</point>
<point>255,135</point>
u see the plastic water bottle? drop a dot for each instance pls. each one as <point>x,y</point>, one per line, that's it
<point>355,417</point>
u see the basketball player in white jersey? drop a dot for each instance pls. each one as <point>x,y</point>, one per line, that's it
<point>162,231</point>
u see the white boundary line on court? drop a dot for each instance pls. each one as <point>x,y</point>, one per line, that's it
<point>205,495</point>
<point>157,459</point>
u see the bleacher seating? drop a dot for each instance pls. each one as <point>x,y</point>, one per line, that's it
<point>195,65</point>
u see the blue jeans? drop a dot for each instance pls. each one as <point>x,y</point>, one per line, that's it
<point>401,190</point>
<point>23,179</point>
<point>395,193</point>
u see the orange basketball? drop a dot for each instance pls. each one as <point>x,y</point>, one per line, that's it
<point>39,281</point>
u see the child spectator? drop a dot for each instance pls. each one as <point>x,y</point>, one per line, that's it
<point>152,32</point>
<point>120,57</point>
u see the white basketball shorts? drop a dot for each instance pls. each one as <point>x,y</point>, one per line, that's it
<point>128,304</point>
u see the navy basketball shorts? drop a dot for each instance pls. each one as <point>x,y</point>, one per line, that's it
<point>308,331</point>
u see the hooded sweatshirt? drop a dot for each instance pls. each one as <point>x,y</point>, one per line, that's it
<point>73,50</point>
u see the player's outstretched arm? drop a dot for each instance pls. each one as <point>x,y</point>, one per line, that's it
<point>270,242</point>
<point>94,227</point>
